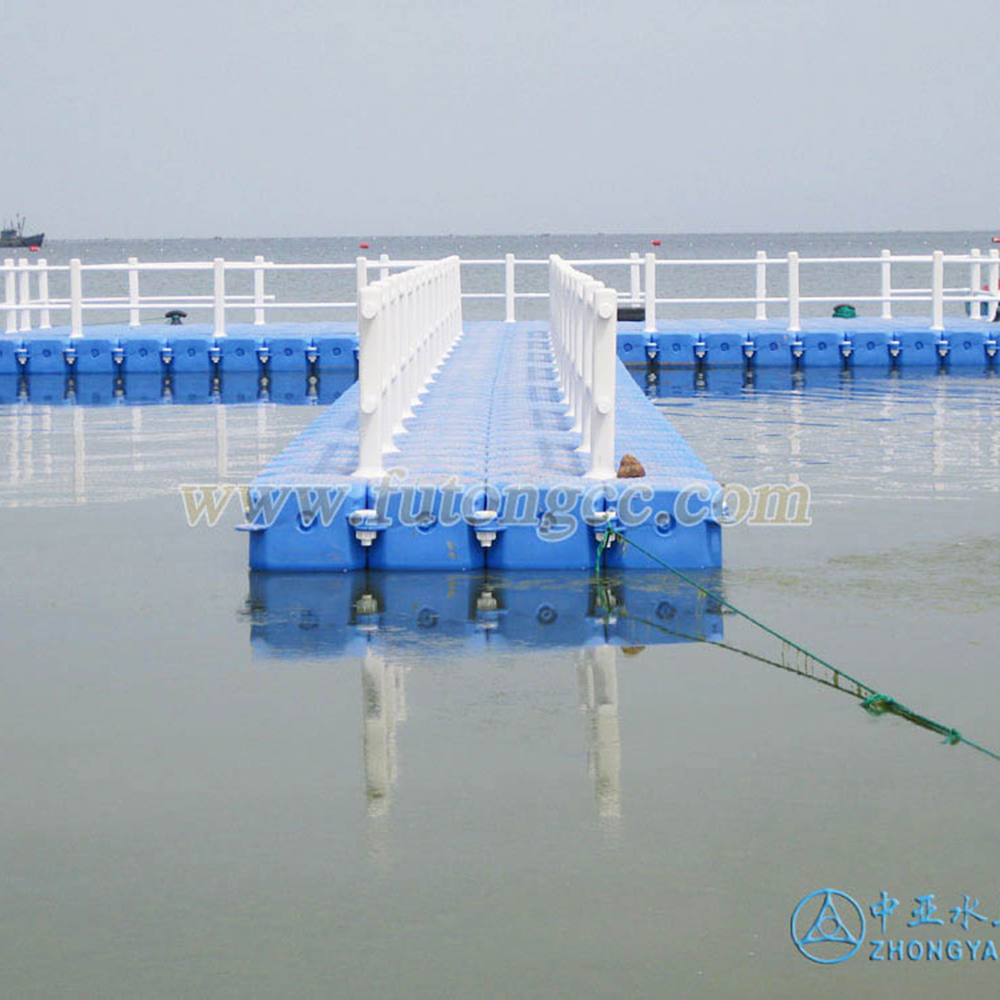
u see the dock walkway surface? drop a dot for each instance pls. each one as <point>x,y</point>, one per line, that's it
<point>487,475</point>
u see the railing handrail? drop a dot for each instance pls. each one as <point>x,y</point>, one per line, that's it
<point>19,303</point>
<point>583,328</point>
<point>407,323</point>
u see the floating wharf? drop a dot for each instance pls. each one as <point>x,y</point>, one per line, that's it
<point>903,342</point>
<point>491,428</point>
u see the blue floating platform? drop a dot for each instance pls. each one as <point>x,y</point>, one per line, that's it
<point>491,435</point>
<point>821,343</point>
<point>190,348</point>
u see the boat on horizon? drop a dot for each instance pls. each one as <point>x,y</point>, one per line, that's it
<point>12,235</point>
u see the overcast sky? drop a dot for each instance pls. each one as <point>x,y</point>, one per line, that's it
<point>246,118</point>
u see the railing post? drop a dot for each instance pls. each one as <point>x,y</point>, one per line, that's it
<point>603,373</point>
<point>760,293</point>
<point>44,316</point>
<point>133,291</point>
<point>794,320</point>
<point>975,280</point>
<point>24,293</point>
<point>10,300</point>
<point>75,298</point>
<point>383,266</point>
<point>937,291</point>
<point>361,273</point>
<point>258,290</point>
<point>634,278</point>
<point>650,300</point>
<point>371,379</point>
<point>508,287</point>
<point>886,268</point>
<point>219,296</point>
<point>994,283</point>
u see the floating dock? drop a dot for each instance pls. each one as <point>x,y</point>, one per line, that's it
<point>310,348</point>
<point>491,435</point>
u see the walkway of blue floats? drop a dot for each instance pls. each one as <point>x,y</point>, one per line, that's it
<point>491,422</point>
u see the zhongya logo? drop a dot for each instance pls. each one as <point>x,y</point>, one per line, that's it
<point>828,926</point>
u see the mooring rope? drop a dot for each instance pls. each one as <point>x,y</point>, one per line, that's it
<point>875,703</point>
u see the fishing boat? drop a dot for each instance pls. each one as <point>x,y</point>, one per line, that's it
<point>12,235</point>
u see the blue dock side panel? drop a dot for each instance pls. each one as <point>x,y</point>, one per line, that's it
<point>488,456</point>
<point>868,343</point>
<point>9,347</point>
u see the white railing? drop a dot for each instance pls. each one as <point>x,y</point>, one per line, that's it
<point>407,323</point>
<point>583,326</point>
<point>26,286</point>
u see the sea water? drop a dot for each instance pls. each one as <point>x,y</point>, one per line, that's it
<point>190,811</point>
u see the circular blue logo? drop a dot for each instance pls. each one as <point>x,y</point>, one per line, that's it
<point>828,926</point>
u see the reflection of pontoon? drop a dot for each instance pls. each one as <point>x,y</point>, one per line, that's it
<point>387,619</point>
<point>314,614</point>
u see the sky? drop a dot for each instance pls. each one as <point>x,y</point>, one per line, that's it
<point>308,118</point>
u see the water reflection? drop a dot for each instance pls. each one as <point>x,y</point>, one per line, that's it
<point>392,621</point>
<point>923,432</point>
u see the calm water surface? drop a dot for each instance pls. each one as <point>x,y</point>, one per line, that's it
<point>209,791</point>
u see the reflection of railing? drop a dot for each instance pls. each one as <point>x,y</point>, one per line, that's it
<point>26,286</point>
<point>583,328</point>
<point>406,324</point>
<point>388,619</point>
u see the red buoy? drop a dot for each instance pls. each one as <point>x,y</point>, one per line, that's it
<point>657,243</point>
<point>996,239</point>
<point>34,249</point>
<point>364,246</point>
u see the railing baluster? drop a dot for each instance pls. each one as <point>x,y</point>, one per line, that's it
<point>75,298</point>
<point>650,300</point>
<point>634,278</point>
<point>219,296</point>
<point>994,283</point>
<point>886,269</point>
<point>604,367</point>
<point>44,316</point>
<point>937,291</point>
<point>508,268</point>
<point>794,306</point>
<point>133,291</point>
<point>975,280</point>
<point>258,291</point>
<point>760,292</point>
<point>371,380</point>
<point>383,269</point>
<point>24,294</point>
<point>10,300</point>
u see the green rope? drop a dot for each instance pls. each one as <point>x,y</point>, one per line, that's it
<point>875,703</point>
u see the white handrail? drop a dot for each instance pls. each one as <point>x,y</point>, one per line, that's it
<point>642,273</point>
<point>407,323</point>
<point>583,327</point>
